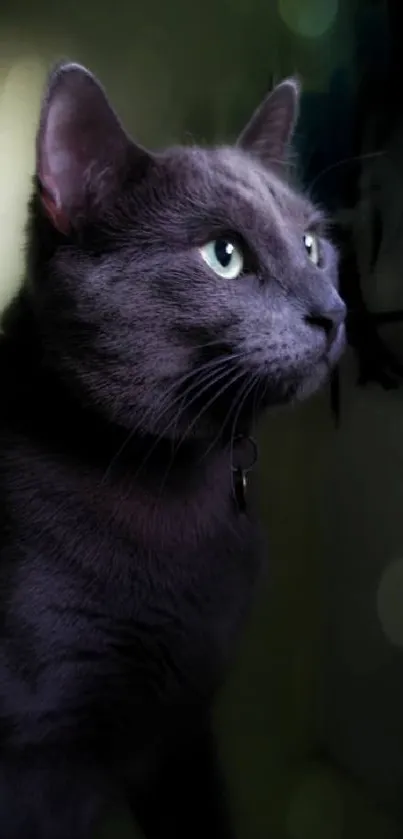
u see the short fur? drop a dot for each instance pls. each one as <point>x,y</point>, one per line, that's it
<point>128,368</point>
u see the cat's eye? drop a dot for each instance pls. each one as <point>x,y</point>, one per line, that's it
<point>224,257</point>
<point>312,248</point>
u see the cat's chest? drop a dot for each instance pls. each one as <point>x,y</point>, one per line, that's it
<point>124,606</point>
<point>125,655</point>
<point>178,605</point>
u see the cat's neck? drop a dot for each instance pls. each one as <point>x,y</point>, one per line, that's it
<point>39,406</point>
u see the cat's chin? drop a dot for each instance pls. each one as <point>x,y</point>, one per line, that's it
<point>337,347</point>
<point>322,371</point>
<point>312,383</point>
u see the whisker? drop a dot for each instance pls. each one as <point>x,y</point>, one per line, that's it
<point>356,159</point>
<point>234,403</point>
<point>205,408</point>
<point>214,398</point>
<point>186,393</point>
<point>198,381</point>
<point>242,401</point>
<point>214,343</point>
<point>174,421</point>
<point>209,366</point>
<point>214,376</point>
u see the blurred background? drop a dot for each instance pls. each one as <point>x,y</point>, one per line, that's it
<point>311,722</point>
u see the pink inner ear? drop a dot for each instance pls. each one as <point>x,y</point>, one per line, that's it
<point>51,204</point>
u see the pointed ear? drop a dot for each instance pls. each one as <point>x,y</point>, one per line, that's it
<point>269,132</point>
<point>82,149</point>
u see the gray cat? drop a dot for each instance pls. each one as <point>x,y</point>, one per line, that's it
<point>170,298</point>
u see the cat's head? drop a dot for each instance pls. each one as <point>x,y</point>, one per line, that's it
<point>182,289</point>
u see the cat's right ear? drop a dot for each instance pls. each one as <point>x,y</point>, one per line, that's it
<point>83,151</point>
<point>268,134</point>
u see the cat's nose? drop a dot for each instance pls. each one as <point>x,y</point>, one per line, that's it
<point>329,320</point>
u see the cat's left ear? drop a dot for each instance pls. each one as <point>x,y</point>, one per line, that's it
<point>83,151</point>
<point>268,134</point>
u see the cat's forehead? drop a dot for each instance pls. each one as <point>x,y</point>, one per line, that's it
<point>229,174</point>
<point>247,177</point>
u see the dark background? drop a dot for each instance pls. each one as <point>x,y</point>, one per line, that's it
<point>311,723</point>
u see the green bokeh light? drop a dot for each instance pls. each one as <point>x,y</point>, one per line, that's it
<point>309,18</point>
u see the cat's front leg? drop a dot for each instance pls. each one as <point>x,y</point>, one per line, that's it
<point>184,795</point>
<point>42,798</point>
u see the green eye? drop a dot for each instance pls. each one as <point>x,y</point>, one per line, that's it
<point>224,257</point>
<point>312,248</point>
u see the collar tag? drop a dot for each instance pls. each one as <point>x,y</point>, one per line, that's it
<point>243,459</point>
